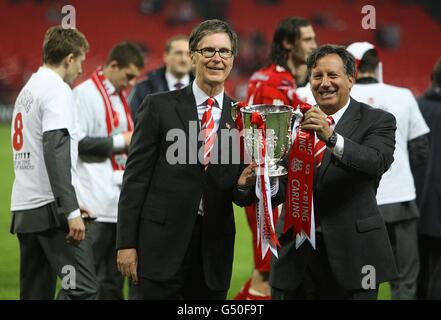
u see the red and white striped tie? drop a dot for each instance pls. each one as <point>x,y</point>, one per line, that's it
<point>207,127</point>
<point>320,146</point>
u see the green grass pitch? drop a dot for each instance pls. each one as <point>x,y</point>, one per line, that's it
<point>9,252</point>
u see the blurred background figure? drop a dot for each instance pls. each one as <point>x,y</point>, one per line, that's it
<point>106,127</point>
<point>293,41</point>
<point>175,74</point>
<point>182,13</point>
<point>389,36</point>
<point>149,7</point>
<point>428,185</point>
<point>45,213</point>
<point>396,191</point>
<point>145,22</point>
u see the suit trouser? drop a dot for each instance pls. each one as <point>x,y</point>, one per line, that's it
<point>404,241</point>
<point>110,281</point>
<point>319,283</point>
<point>189,281</point>
<point>46,255</point>
<point>429,281</point>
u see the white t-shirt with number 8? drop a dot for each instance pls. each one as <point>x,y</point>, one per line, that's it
<point>45,103</point>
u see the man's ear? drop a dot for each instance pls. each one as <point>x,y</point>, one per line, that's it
<point>69,59</point>
<point>164,58</point>
<point>193,59</point>
<point>287,45</point>
<point>351,80</point>
<point>113,64</point>
<point>232,63</point>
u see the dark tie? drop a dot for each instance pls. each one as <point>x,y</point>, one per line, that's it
<point>178,85</point>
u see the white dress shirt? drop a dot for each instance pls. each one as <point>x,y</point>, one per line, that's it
<point>339,146</point>
<point>172,80</point>
<point>201,103</point>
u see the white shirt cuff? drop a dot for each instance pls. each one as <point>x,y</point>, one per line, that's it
<point>118,142</point>
<point>74,214</point>
<point>339,147</point>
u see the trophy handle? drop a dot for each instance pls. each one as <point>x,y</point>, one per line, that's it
<point>295,113</point>
<point>235,111</point>
<point>253,127</point>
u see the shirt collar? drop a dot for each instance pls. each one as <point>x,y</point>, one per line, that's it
<point>172,80</point>
<point>337,116</point>
<point>279,68</point>
<point>50,72</point>
<point>201,97</point>
<point>366,80</point>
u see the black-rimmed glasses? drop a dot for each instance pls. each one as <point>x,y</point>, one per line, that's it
<point>210,52</point>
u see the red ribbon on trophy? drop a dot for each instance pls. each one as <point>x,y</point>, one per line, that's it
<point>299,213</point>
<point>238,119</point>
<point>266,236</point>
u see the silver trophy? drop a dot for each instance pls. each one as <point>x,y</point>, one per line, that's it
<point>278,120</point>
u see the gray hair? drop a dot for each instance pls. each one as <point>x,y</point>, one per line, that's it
<point>208,27</point>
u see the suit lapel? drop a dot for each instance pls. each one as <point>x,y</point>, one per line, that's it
<point>344,127</point>
<point>187,112</point>
<point>225,122</point>
<point>164,83</point>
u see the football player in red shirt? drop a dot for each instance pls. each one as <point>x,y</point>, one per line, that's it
<point>293,41</point>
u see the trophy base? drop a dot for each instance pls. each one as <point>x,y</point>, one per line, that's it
<point>277,171</point>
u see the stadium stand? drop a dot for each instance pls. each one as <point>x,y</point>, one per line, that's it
<point>106,22</point>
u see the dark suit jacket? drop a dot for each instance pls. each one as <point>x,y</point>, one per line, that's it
<point>354,232</point>
<point>428,177</point>
<point>154,83</point>
<point>159,201</point>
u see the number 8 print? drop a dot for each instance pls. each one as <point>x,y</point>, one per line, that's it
<point>17,139</point>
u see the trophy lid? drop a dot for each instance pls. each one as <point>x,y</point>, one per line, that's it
<point>267,108</point>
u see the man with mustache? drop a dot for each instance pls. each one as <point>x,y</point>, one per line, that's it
<point>352,253</point>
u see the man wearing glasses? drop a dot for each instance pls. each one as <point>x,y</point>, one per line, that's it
<point>176,230</point>
<point>106,129</point>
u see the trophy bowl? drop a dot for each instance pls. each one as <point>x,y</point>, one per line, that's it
<point>278,120</point>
